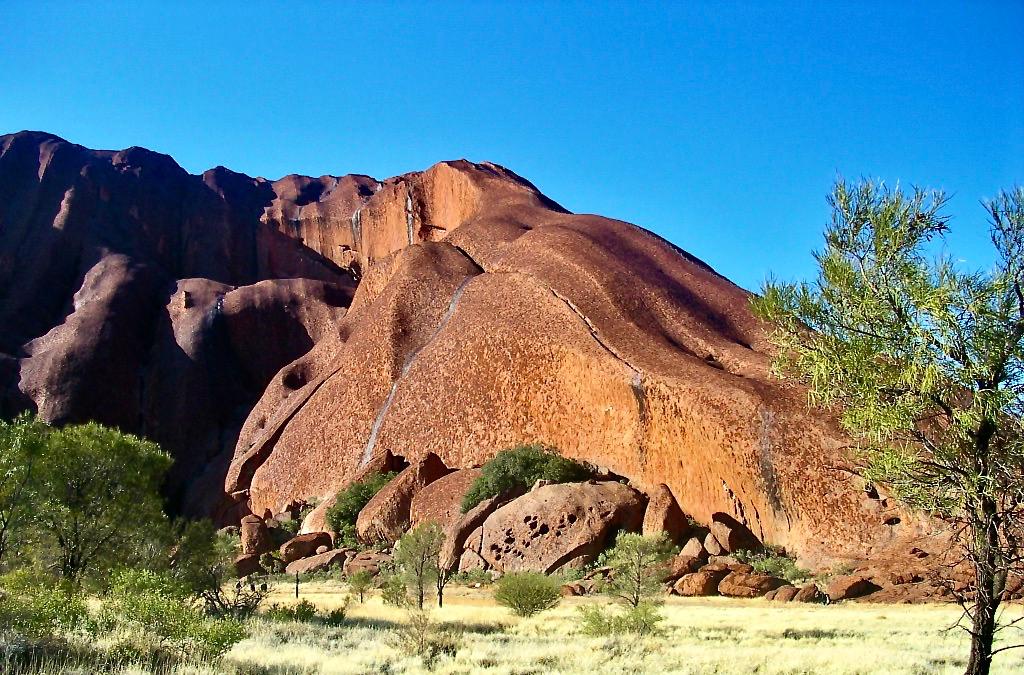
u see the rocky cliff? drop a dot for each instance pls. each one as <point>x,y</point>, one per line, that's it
<point>282,337</point>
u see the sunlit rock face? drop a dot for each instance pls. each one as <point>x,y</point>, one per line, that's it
<point>281,338</point>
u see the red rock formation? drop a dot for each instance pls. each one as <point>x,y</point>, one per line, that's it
<point>386,516</point>
<point>441,501</point>
<point>485,316</point>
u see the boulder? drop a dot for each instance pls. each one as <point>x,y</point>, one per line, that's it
<point>849,587</point>
<point>747,585</point>
<point>386,516</point>
<point>679,565</point>
<point>317,563</point>
<point>369,561</point>
<point>441,501</point>
<point>809,593</point>
<point>555,524</point>
<point>248,564</point>
<point>664,515</point>
<point>728,565</point>
<point>255,536</point>
<point>304,545</point>
<point>700,583</point>
<point>712,546</point>
<point>322,549</point>
<point>694,548</point>
<point>732,535</point>
<point>230,531</point>
<point>784,593</point>
<point>459,532</point>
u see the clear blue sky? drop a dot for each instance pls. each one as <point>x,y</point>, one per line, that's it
<point>719,126</point>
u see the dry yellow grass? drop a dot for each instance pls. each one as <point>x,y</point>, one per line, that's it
<point>705,635</point>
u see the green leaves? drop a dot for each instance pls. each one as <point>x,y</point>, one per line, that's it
<point>341,516</point>
<point>921,359</point>
<point>521,467</point>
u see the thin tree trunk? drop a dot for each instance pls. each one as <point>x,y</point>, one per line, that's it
<point>988,591</point>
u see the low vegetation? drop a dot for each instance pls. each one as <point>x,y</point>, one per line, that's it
<point>341,515</point>
<point>528,593</point>
<point>518,469</point>
<point>774,563</point>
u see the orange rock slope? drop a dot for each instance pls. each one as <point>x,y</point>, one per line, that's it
<point>497,318</point>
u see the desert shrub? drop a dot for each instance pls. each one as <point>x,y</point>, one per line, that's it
<point>393,590</point>
<point>521,467</point>
<point>600,621</point>
<point>341,516</point>
<point>306,612</point>
<point>147,606</point>
<point>417,559</point>
<point>469,577</point>
<point>359,583</point>
<point>35,607</point>
<point>422,636</point>
<point>528,593</point>
<point>774,563</point>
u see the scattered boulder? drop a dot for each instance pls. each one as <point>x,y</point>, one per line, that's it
<point>712,546</point>
<point>369,561</point>
<point>230,531</point>
<point>555,524</point>
<point>255,536</point>
<point>785,593</point>
<point>849,587</point>
<point>248,564</point>
<point>471,560</point>
<point>728,565</point>
<point>700,583</point>
<point>694,548</point>
<point>679,565</point>
<point>317,563</point>
<point>386,516</point>
<point>732,535</point>
<point>809,593</point>
<point>746,585</point>
<point>664,515</point>
<point>304,545</point>
<point>322,549</point>
<point>441,501</point>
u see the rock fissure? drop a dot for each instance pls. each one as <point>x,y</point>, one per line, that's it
<point>371,440</point>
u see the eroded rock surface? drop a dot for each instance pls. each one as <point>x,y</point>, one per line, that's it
<point>558,524</point>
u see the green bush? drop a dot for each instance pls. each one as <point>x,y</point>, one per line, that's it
<point>601,621</point>
<point>393,590</point>
<point>528,593</point>
<point>306,612</point>
<point>359,583</point>
<point>149,605</point>
<point>773,563</point>
<point>521,467</point>
<point>342,514</point>
<point>33,606</point>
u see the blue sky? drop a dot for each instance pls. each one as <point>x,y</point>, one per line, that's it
<point>720,126</point>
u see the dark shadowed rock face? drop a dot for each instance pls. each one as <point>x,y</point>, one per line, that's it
<point>281,338</point>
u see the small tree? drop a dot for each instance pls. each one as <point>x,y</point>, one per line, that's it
<point>202,560</point>
<point>22,444</point>
<point>416,556</point>
<point>520,468</point>
<point>360,582</point>
<point>638,567</point>
<point>98,497</point>
<point>925,364</point>
<point>528,593</point>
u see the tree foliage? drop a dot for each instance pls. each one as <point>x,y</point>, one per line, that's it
<point>638,565</point>
<point>22,444</point>
<point>519,468</point>
<point>97,497</point>
<point>341,515</point>
<point>924,362</point>
<point>417,559</point>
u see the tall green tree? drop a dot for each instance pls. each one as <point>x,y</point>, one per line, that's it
<point>97,498</point>
<point>22,443</point>
<point>924,362</point>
